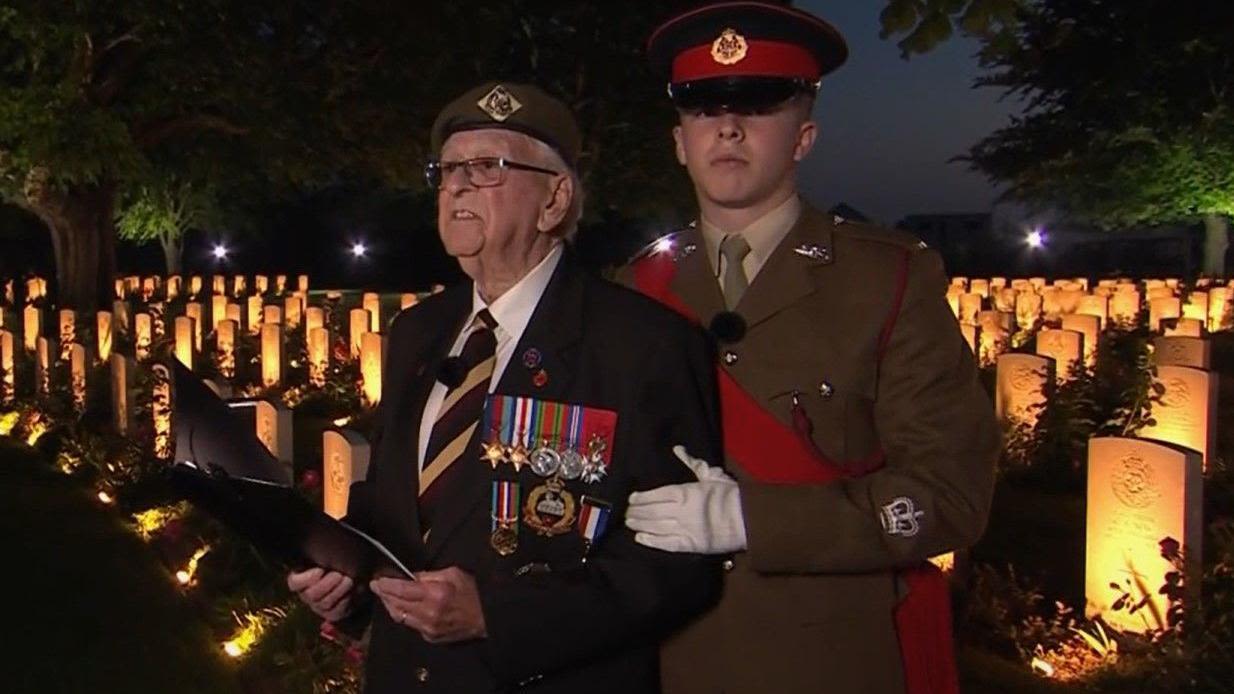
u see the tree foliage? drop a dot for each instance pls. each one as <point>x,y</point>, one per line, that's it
<point>927,23</point>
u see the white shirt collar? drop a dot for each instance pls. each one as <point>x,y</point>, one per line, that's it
<point>512,310</point>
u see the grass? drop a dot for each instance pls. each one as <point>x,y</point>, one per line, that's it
<point>94,609</point>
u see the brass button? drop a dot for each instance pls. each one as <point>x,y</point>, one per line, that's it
<point>825,390</point>
<point>422,675</point>
<point>730,358</point>
<point>728,565</point>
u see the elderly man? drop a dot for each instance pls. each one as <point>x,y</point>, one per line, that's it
<point>858,437</point>
<point>521,411</point>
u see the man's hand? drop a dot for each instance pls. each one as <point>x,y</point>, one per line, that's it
<point>444,606</point>
<point>328,594</point>
<point>703,516</point>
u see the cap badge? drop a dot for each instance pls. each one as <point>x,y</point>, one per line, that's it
<point>499,104</point>
<point>730,48</point>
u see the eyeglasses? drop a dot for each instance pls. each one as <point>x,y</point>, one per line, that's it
<point>482,172</point>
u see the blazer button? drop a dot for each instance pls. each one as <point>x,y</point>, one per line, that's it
<point>728,565</point>
<point>730,358</point>
<point>422,675</point>
<point>825,390</point>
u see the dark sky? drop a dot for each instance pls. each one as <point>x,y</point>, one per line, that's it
<point>889,125</point>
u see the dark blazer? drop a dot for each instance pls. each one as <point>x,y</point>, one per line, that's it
<point>573,622</point>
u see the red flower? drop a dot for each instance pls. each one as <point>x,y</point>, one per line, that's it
<point>310,479</point>
<point>1170,548</point>
<point>354,656</point>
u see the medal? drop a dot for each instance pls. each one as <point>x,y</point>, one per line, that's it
<point>596,467</point>
<point>593,518</point>
<point>504,537</point>
<point>517,455</point>
<point>549,509</point>
<point>494,454</point>
<point>545,461</point>
<point>572,464</point>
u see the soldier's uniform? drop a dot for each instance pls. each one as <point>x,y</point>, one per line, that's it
<point>844,337</point>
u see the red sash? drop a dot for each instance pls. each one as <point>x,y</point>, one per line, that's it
<point>774,453</point>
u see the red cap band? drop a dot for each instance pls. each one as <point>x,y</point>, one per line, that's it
<point>762,59</point>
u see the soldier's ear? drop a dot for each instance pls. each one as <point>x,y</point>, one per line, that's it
<point>679,145</point>
<point>557,205</point>
<point>806,135</point>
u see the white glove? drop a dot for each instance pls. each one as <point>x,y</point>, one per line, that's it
<point>702,517</point>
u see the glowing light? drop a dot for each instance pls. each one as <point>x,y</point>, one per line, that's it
<point>252,626</point>
<point>8,421</point>
<point>1043,668</point>
<point>106,498</point>
<point>341,421</point>
<point>68,464</point>
<point>37,426</point>
<point>944,562</point>
<point>1035,239</point>
<point>152,521</point>
<point>664,245</point>
<point>185,575</point>
<point>220,251</point>
<point>358,249</point>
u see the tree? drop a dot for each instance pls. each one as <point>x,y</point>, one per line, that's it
<point>166,214</point>
<point>1128,117</point>
<point>927,23</point>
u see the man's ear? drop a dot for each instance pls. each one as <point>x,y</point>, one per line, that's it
<point>806,136</point>
<point>679,145</point>
<point>557,204</point>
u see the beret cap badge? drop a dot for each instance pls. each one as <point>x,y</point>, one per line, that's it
<point>729,48</point>
<point>499,103</point>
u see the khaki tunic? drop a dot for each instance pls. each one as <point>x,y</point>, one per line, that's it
<point>809,607</point>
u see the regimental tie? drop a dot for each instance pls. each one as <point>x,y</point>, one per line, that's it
<point>459,416</point>
<point>734,249</point>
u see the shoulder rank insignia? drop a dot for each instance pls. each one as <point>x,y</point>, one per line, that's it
<point>813,251</point>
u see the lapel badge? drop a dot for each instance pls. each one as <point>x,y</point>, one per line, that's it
<point>837,219</point>
<point>729,48</point>
<point>686,251</point>
<point>900,517</point>
<point>499,104</point>
<point>540,379</point>
<point>549,509</point>
<point>532,358</point>
<point>813,251</point>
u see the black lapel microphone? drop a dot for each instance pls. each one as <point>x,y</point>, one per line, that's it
<point>728,327</point>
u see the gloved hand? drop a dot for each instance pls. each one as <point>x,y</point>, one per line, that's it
<point>703,517</point>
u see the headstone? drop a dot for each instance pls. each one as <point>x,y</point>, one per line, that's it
<point>1051,307</point>
<point>1065,347</point>
<point>68,332</point>
<point>173,287</point>
<point>184,341</point>
<point>1125,308</point>
<point>291,309</point>
<point>261,284</point>
<point>8,361</point>
<point>1162,309</point>
<point>372,349</point>
<point>318,355</point>
<point>1021,387</point>
<point>406,301</point>
<point>272,315</point>
<point>1097,306</point>
<point>148,286</point>
<point>970,306</point>
<point>1193,352</point>
<point>998,282</point>
<point>160,411</point>
<point>1152,293</point>
<point>218,310</point>
<point>1090,328</point>
<point>274,430</point>
<point>372,303</point>
<point>77,375</point>
<point>1139,493</point>
<point>120,288</point>
<point>32,327</point>
<point>1187,413</point>
<point>345,460</point>
<point>271,354</point>
<point>302,283</point>
<point>103,333</point>
<point>1196,307</point>
<point>1005,299</point>
<point>280,284</point>
<point>219,283</point>
<point>1037,283</point>
<point>122,372</point>
<point>1218,309</point>
<point>1028,307</point>
<point>1182,327</point>
<point>143,332</point>
<point>194,310</point>
<point>195,284</point>
<point>234,313</point>
<point>158,320</point>
<point>254,315</point>
<point>980,287</point>
<point>42,366</point>
<point>314,317</point>
<point>1069,298</point>
<point>359,325</point>
<point>226,345</point>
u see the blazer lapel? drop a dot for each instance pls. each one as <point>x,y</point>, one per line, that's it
<point>787,276</point>
<point>555,327</point>
<point>694,282</point>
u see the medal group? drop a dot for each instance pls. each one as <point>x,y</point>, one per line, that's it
<point>558,442</point>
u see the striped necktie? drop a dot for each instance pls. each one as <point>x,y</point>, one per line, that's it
<point>459,414</point>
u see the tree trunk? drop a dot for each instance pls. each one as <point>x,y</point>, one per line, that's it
<point>1216,239</point>
<point>83,237</point>
<point>173,250</point>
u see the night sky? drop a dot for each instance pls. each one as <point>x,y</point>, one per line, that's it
<point>889,126</point>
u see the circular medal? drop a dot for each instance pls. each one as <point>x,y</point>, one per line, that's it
<point>545,461</point>
<point>572,464</point>
<point>504,540</point>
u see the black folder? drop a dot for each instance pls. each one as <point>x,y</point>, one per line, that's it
<point>222,468</point>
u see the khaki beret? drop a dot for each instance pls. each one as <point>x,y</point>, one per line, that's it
<point>523,108</point>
